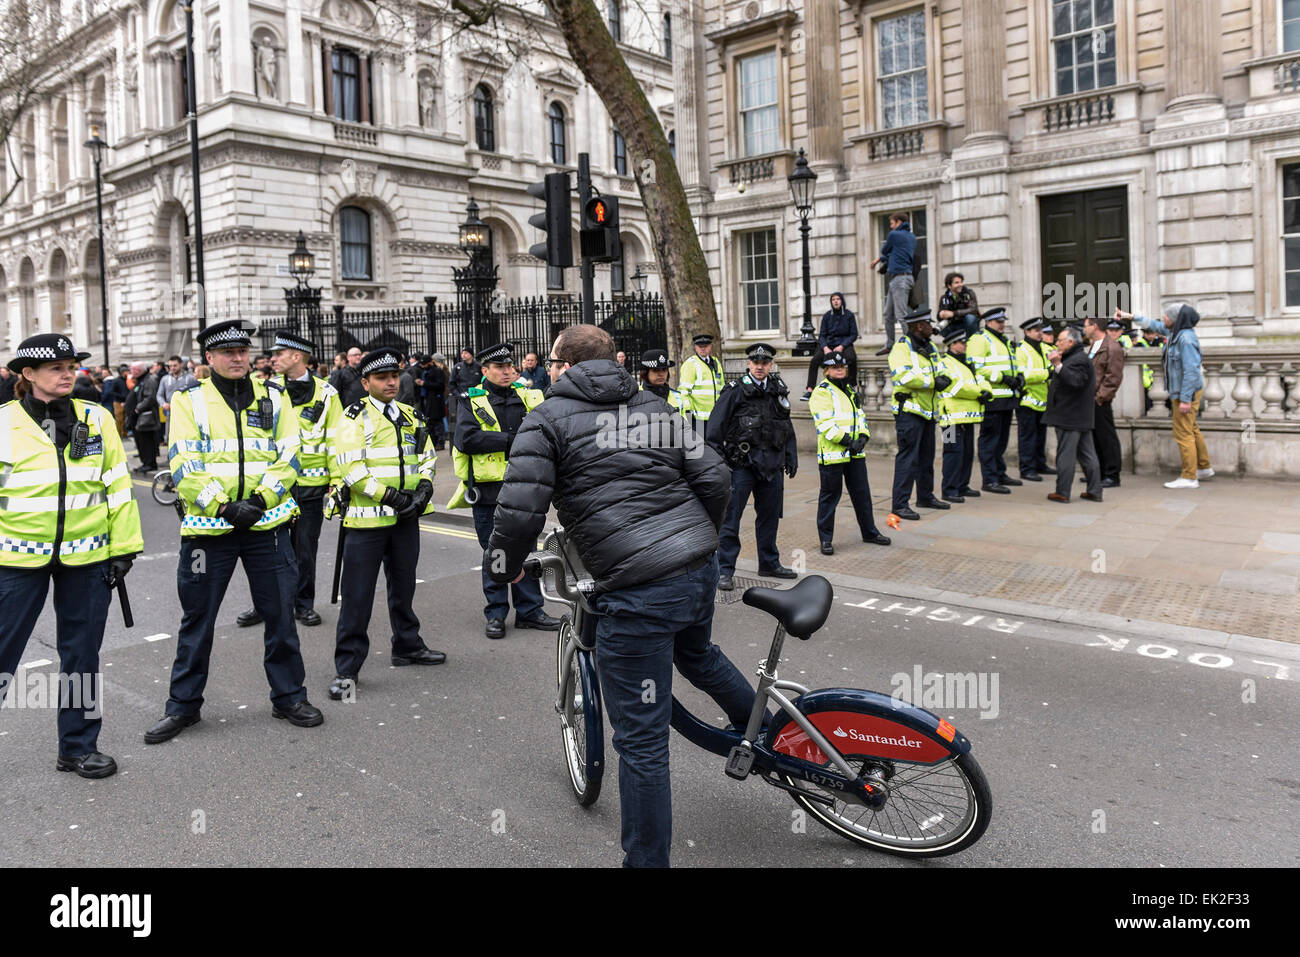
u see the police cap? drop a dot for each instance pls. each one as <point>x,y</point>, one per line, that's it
<point>835,359</point>
<point>46,347</point>
<point>702,340</point>
<point>996,314</point>
<point>955,332</point>
<point>230,334</point>
<point>287,339</point>
<point>760,352</point>
<point>1035,323</point>
<point>921,314</point>
<point>381,360</point>
<point>501,352</point>
<point>656,359</point>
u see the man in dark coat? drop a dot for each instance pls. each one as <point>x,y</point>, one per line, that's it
<point>465,374</point>
<point>839,331</point>
<point>434,386</point>
<point>1071,410</point>
<point>148,429</point>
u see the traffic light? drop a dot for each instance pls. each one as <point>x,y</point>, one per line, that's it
<point>555,222</point>
<point>599,230</point>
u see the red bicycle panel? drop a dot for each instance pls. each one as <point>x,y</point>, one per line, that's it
<point>855,733</point>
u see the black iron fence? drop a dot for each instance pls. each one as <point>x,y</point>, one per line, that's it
<point>637,323</point>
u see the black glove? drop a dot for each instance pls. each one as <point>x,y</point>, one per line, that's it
<point>117,569</point>
<point>243,513</point>
<point>901,397</point>
<point>858,445</point>
<point>1020,382</point>
<point>847,440</point>
<point>791,467</point>
<point>399,502</point>
<point>419,499</point>
<point>985,397</point>
<point>942,382</point>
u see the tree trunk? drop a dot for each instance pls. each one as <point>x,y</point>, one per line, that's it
<point>683,270</point>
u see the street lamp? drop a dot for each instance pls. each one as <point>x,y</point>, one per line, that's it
<point>803,184</point>
<point>473,232</point>
<point>301,262</point>
<point>302,298</point>
<point>476,281</point>
<point>639,279</point>
<point>97,147</point>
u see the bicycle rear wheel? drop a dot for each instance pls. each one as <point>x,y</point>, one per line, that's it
<point>164,493</point>
<point>933,809</point>
<point>582,727</point>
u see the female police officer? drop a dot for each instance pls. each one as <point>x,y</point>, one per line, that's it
<point>66,514</point>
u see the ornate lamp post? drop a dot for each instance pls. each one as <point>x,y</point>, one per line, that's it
<point>475,281</point>
<point>639,280</point>
<point>803,184</point>
<point>97,147</point>
<point>302,300</point>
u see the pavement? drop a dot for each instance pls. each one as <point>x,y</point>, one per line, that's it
<point>1219,565</point>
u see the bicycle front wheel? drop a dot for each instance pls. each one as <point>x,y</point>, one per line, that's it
<point>933,809</point>
<point>164,493</point>
<point>582,728</point>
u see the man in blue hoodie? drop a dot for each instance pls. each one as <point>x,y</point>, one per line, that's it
<point>898,252</point>
<point>838,333</point>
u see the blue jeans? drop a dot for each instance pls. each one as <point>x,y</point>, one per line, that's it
<point>641,633</point>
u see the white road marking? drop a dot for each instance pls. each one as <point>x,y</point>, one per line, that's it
<point>38,663</point>
<point>158,637</point>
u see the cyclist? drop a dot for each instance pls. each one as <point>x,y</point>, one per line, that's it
<point>644,517</point>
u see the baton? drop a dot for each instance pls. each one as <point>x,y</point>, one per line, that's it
<point>338,553</point>
<point>127,618</point>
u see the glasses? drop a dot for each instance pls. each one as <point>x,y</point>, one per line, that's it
<point>552,361</point>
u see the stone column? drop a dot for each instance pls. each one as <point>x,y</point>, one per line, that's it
<point>236,48</point>
<point>824,81</point>
<point>1192,35</point>
<point>690,109</point>
<point>295,67</point>
<point>44,147</point>
<point>983,33</point>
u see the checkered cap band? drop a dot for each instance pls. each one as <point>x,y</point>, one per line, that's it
<point>233,334</point>
<point>499,354</point>
<point>284,340</point>
<point>380,364</point>
<point>37,352</point>
<point>760,352</point>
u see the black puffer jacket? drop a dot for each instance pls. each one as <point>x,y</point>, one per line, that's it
<point>1071,394</point>
<point>636,514</point>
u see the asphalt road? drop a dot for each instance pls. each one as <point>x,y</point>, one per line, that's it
<point>1105,751</point>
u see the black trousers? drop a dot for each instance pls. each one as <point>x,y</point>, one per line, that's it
<point>306,538</point>
<point>994,435</point>
<point>1106,439</point>
<point>202,575</point>
<point>768,497</point>
<point>818,357</point>
<point>853,474</point>
<point>1031,437</point>
<point>81,599</point>
<point>397,548</point>
<point>958,457</point>
<point>914,463</point>
<point>146,446</point>
<point>527,593</point>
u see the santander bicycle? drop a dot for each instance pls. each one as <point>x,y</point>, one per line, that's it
<point>873,769</point>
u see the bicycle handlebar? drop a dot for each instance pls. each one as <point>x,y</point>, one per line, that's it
<point>537,566</point>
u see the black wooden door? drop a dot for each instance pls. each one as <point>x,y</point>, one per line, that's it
<point>1085,255</point>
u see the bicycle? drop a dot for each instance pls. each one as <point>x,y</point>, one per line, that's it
<point>905,782</point>
<point>163,491</point>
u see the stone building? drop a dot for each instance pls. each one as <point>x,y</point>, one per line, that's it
<point>367,128</point>
<point>1148,149</point>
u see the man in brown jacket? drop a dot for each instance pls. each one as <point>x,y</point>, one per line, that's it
<point>1108,361</point>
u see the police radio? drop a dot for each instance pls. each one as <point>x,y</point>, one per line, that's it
<point>80,439</point>
<point>313,412</point>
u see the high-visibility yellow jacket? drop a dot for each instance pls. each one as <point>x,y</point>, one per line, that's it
<point>1148,377</point>
<point>488,466</point>
<point>959,404</point>
<point>218,457</point>
<point>1036,369</point>
<point>373,453</point>
<point>80,509</point>
<point>913,373</point>
<point>837,415</point>
<point>700,383</point>
<point>993,359</point>
<point>318,419</point>
<point>674,398</point>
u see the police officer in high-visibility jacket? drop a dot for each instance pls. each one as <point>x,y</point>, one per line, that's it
<point>318,408</point>
<point>701,381</point>
<point>654,377</point>
<point>961,407</point>
<point>842,437</point>
<point>234,439</point>
<point>1031,362</point>
<point>916,370</point>
<point>491,414</point>
<point>67,517</point>
<point>384,456</point>
<point>993,357</point>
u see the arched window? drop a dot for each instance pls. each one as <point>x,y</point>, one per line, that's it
<point>556,123</point>
<point>672,143</point>
<point>484,124</point>
<point>668,35</point>
<point>620,153</point>
<point>354,243</point>
<point>616,20</point>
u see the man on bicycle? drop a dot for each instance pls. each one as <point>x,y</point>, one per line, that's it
<point>643,506</point>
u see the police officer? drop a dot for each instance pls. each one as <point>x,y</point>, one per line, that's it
<point>68,517</point>
<point>750,427</point>
<point>317,406</point>
<point>917,375</point>
<point>491,413</point>
<point>234,442</point>
<point>384,457</point>
<point>1031,362</point>
<point>701,381</point>
<point>993,357</point>
<point>1116,331</point>
<point>842,437</point>
<point>654,377</point>
<point>961,407</point>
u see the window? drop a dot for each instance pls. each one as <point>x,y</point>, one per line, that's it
<point>484,122</point>
<point>916,221</point>
<point>347,85</point>
<point>620,154</point>
<point>1083,44</point>
<point>672,143</point>
<point>1290,25</point>
<point>555,117</point>
<point>616,281</point>
<point>668,35</point>
<point>1291,231</point>
<point>354,239</point>
<point>182,85</point>
<point>758,280</point>
<point>615,20</point>
<point>904,99</point>
<point>759,129</point>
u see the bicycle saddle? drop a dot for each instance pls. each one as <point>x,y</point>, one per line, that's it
<point>801,609</point>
